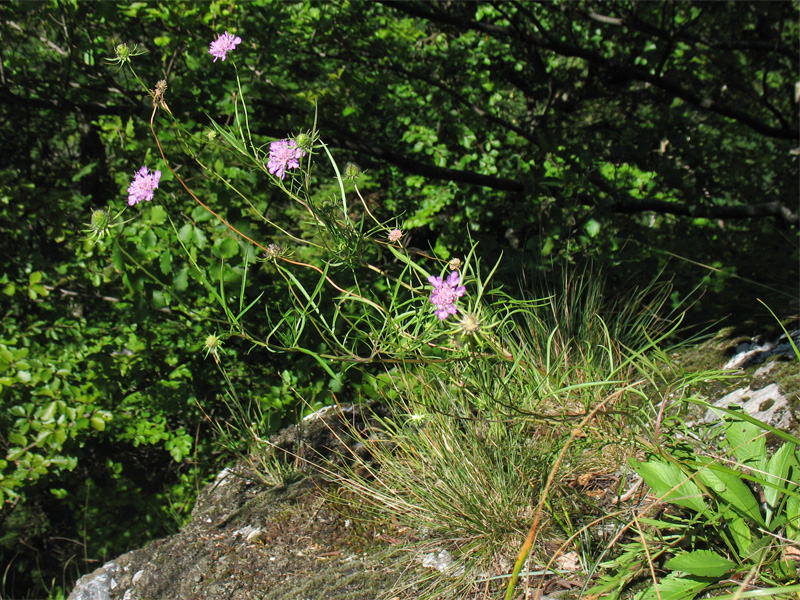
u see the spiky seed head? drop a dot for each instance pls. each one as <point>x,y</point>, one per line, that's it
<point>352,171</point>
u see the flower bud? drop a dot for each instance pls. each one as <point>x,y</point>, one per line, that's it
<point>101,220</point>
<point>454,264</point>
<point>304,141</point>
<point>99,224</point>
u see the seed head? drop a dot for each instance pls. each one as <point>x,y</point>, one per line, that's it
<point>123,52</point>
<point>352,171</point>
<point>273,251</point>
<point>470,324</point>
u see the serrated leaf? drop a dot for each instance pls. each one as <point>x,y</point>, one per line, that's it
<point>775,482</point>
<point>731,489</point>
<point>673,587</point>
<point>670,483</point>
<point>702,563</point>
<point>746,442</point>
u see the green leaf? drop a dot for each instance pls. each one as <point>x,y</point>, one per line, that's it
<point>49,412</point>
<point>225,248</point>
<point>673,587</point>
<point>739,532</point>
<point>775,481</point>
<point>17,439</point>
<point>731,489</point>
<point>793,518</point>
<point>181,280</point>
<point>670,483</point>
<point>703,563</point>
<point>148,240</point>
<point>185,233</point>
<point>118,259</point>
<point>158,214</point>
<point>165,262</point>
<point>747,443</point>
<point>98,423</point>
<point>592,227</point>
<point>199,238</point>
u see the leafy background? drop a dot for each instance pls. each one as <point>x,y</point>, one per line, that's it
<point>640,137</point>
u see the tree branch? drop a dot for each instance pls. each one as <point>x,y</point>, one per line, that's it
<point>671,87</point>
<point>767,209</point>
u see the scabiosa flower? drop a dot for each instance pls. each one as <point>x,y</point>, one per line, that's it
<point>395,235</point>
<point>142,186</point>
<point>446,293</point>
<point>223,44</point>
<point>284,154</point>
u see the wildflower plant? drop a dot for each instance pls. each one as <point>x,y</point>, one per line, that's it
<point>308,269</point>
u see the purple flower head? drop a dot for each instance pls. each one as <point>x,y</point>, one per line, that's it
<point>142,186</point>
<point>446,293</point>
<point>284,154</point>
<point>395,235</point>
<point>223,44</point>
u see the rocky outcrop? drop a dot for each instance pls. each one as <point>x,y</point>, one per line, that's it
<point>250,540</point>
<point>253,536</point>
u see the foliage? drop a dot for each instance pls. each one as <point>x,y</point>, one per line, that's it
<point>507,421</point>
<point>725,530</point>
<point>537,131</point>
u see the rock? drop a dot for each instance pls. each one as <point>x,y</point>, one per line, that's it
<point>98,584</point>
<point>248,540</point>
<point>443,562</point>
<point>767,405</point>
<point>755,351</point>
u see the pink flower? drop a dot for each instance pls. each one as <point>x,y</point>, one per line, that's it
<point>446,293</point>
<point>395,235</point>
<point>142,186</point>
<point>223,44</point>
<point>284,154</point>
